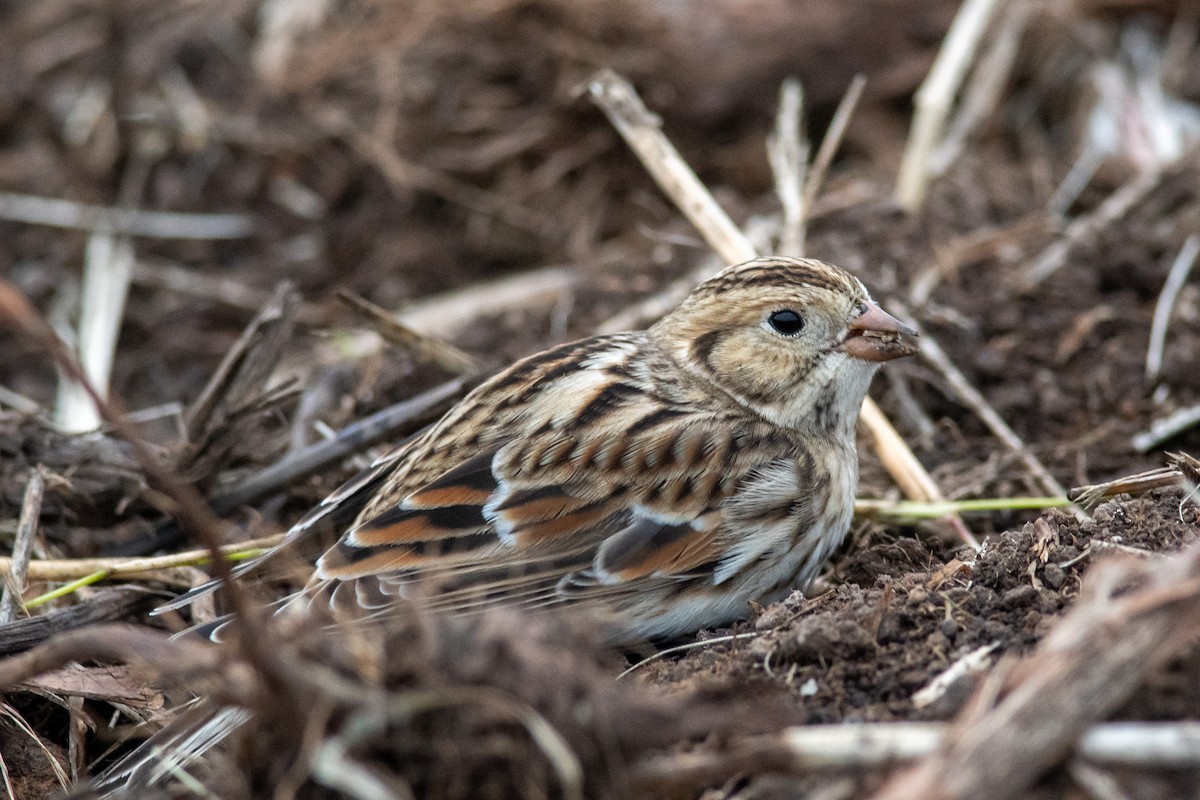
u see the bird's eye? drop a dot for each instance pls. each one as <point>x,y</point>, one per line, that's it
<point>787,322</point>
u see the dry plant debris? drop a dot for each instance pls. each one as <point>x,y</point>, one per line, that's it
<point>439,161</point>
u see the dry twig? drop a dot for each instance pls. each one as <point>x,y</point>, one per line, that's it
<point>17,571</point>
<point>108,266</point>
<point>1181,267</point>
<point>1085,228</point>
<point>1166,428</point>
<point>932,352</point>
<point>131,222</point>
<point>981,98</point>
<point>787,150</point>
<point>936,96</point>
<point>423,346</point>
<point>1089,496</point>
<point>830,144</point>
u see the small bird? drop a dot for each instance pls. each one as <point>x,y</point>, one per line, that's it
<point>671,475</point>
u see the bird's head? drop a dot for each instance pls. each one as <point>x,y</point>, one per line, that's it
<point>795,340</point>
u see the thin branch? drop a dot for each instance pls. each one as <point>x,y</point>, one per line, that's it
<point>423,346</point>
<point>1166,428</point>
<point>1085,228</point>
<point>69,569</point>
<point>642,130</point>
<point>18,567</point>
<point>932,352</point>
<point>131,222</point>
<point>1181,268</point>
<point>936,96</point>
<point>831,142</point>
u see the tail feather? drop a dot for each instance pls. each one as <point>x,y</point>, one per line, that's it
<point>171,751</point>
<point>336,509</point>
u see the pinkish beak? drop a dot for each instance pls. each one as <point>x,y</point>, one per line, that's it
<point>876,335</point>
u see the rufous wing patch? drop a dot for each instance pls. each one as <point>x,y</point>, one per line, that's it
<point>399,525</point>
<point>471,482</point>
<point>652,547</point>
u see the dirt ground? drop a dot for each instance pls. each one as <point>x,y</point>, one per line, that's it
<point>404,151</point>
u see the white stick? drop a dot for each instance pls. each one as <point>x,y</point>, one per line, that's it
<point>787,152</point>
<point>1169,426</point>
<point>134,222</point>
<point>108,268</point>
<point>1180,269</point>
<point>936,96</point>
<point>804,749</point>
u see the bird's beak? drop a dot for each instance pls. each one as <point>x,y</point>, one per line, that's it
<point>875,335</point>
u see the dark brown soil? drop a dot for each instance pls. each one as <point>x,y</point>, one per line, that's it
<point>412,149</point>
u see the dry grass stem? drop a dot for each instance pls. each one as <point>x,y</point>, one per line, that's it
<point>1181,268</point>
<point>832,140</point>
<point>449,312</point>
<point>422,346</point>
<point>122,221</point>
<point>16,572</point>
<point>1167,427</point>
<point>1085,228</point>
<point>932,352</point>
<point>1160,478</point>
<point>787,152</point>
<point>69,569</point>
<point>643,132</point>
<point>936,97</point>
<point>982,97</point>
<point>108,267</point>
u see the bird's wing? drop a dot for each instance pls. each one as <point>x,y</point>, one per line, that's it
<point>590,496</point>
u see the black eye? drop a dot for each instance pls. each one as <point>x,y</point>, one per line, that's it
<point>787,322</point>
